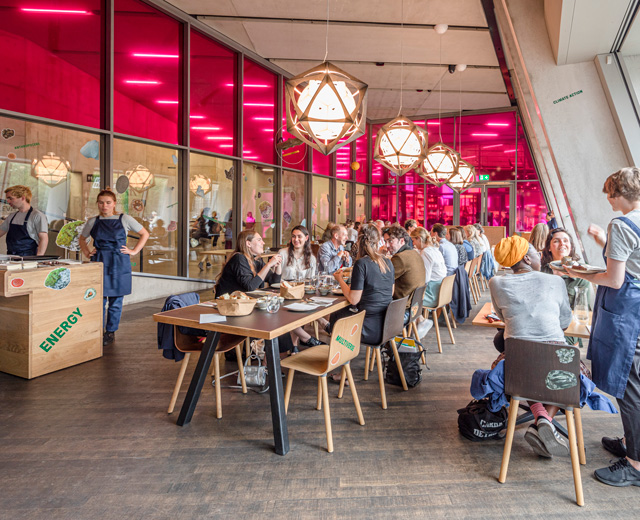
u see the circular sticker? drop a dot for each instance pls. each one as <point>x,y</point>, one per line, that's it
<point>90,294</point>
<point>17,282</point>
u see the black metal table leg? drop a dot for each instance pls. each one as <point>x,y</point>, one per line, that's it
<point>276,394</point>
<point>199,377</point>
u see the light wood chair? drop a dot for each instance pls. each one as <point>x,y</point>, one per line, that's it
<point>473,280</point>
<point>318,361</point>
<point>393,326</point>
<point>415,308</point>
<point>191,344</point>
<point>545,373</point>
<point>444,298</point>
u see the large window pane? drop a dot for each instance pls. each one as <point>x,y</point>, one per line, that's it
<point>531,206</point>
<point>361,203</point>
<point>470,206</point>
<point>343,162</point>
<point>292,202</point>
<point>525,168</point>
<point>383,203</point>
<point>213,96</point>
<point>51,60</point>
<point>439,202</point>
<point>152,199</point>
<point>411,203</point>
<point>342,209</point>
<point>362,157</point>
<point>258,211</point>
<point>146,72</point>
<point>259,113</point>
<point>498,206</point>
<point>320,203</point>
<point>65,194</point>
<point>296,156</point>
<point>321,163</point>
<point>210,217</point>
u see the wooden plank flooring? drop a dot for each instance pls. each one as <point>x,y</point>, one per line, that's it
<point>95,441</point>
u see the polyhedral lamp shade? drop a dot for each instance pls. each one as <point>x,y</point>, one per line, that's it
<point>400,145</point>
<point>440,164</point>
<point>50,169</point>
<point>199,185</point>
<point>464,178</point>
<point>326,107</point>
<point>140,178</point>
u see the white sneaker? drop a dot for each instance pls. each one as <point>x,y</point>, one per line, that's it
<point>424,327</point>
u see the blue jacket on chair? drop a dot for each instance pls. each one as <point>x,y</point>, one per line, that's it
<point>461,301</point>
<point>165,331</point>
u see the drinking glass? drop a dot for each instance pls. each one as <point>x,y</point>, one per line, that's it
<point>273,304</point>
<point>581,305</point>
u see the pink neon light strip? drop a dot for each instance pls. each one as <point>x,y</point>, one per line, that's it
<point>492,146</point>
<point>141,82</point>
<point>167,102</point>
<point>258,104</point>
<point>205,128</point>
<point>196,117</point>
<point>216,138</point>
<point>433,122</point>
<point>142,55</point>
<point>53,11</point>
<point>498,124</point>
<point>510,151</point>
<point>484,135</point>
<point>264,118</point>
<point>247,85</point>
<point>225,145</point>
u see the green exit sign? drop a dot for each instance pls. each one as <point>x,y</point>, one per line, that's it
<point>483,177</point>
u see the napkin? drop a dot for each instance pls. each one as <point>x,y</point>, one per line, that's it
<point>212,318</point>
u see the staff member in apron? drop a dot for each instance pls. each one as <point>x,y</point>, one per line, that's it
<point>614,345</point>
<point>27,228</point>
<point>109,232</point>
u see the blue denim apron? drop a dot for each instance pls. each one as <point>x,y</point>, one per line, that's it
<point>109,236</point>
<point>18,240</point>
<point>614,332</point>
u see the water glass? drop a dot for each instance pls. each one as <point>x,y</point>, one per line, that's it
<point>273,304</point>
<point>581,305</point>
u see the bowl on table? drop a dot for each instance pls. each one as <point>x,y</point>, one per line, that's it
<point>310,289</point>
<point>261,303</point>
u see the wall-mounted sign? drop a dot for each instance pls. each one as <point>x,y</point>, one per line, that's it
<point>564,98</point>
<point>483,177</point>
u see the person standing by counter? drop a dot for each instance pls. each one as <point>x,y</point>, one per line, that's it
<point>109,232</point>
<point>26,228</point>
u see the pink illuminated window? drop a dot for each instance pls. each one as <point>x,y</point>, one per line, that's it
<point>146,72</point>
<point>531,206</point>
<point>296,156</point>
<point>212,95</point>
<point>343,162</point>
<point>439,204</point>
<point>259,113</point>
<point>383,203</point>
<point>470,206</point>
<point>321,163</point>
<point>411,203</point>
<point>487,142</point>
<point>498,203</point>
<point>362,157</point>
<point>51,59</point>
<point>526,169</point>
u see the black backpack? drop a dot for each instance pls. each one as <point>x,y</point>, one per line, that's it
<point>410,362</point>
<point>477,423</point>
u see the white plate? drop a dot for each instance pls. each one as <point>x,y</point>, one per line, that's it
<point>337,291</point>
<point>275,285</point>
<point>301,307</point>
<point>589,269</point>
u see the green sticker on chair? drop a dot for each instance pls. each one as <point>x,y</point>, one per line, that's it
<point>560,380</point>
<point>565,355</point>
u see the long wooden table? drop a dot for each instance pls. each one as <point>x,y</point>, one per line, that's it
<point>258,324</point>
<point>576,328</point>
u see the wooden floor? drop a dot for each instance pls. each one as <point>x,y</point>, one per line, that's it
<point>95,442</point>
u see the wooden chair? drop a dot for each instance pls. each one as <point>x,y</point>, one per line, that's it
<point>393,326</point>
<point>444,298</point>
<point>546,373</point>
<point>415,308</point>
<point>320,360</point>
<point>473,280</point>
<point>191,344</point>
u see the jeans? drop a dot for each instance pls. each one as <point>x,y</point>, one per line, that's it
<point>111,315</point>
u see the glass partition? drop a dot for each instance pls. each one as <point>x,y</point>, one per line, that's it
<point>362,158</point>
<point>51,60</point>
<point>342,202</point>
<point>146,72</point>
<point>259,113</point>
<point>361,203</point>
<point>525,167</point>
<point>293,189</point>
<point>320,205</point>
<point>470,206</point>
<point>321,163</point>
<point>258,211</point>
<point>150,175</point>
<point>439,202</point>
<point>343,162</point>
<point>383,203</point>
<point>296,156</point>
<point>498,206</point>
<point>210,213</point>
<point>531,208</point>
<point>411,205</point>
<point>60,167</point>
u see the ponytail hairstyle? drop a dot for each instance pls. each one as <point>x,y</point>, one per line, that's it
<point>108,193</point>
<point>306,248</point>
<point>368,240</point>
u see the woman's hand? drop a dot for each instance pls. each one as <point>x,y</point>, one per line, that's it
<point>91,253</point>
<point>598,234</point>
<point>338,275</point>
<point>274,261</point>
<point>126,251</point>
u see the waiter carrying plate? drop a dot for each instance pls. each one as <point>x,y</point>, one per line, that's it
<point>26,228</point>
<point>614,345</point>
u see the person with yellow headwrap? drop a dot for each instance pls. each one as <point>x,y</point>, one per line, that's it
<point>533,306</point>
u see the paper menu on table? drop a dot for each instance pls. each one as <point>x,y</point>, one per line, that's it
<point>212,318</point>
<point>321,299</point>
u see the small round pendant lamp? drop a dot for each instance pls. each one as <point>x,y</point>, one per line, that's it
<point>440,164</point>
<point>463,178</point>
<point>326,107</point>
<point>199,185</point>
<point>50,169</point>
<point>400,145</point>
<point>140,178</point>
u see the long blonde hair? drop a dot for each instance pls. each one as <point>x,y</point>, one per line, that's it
<point>368,240</point>
<point>242,249</point>
<point>424,236</point>
<point>472,232</point>
<point>538,236</point>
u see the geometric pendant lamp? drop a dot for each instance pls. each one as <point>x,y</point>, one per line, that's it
<point>463,178</point>
<point>326,107</point>
<point>140,178</point>
<point>440,164</point>
<point>50,169</point>
<point>400,146</point>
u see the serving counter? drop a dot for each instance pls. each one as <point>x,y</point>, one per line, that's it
<point>50,318</point>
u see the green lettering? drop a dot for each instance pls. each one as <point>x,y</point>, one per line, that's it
<point>45,347</point>
<point>77,311</point>
<point>53,339</point>
<point>58,332</point>
<point>65,326</point>
<point>72,319</point>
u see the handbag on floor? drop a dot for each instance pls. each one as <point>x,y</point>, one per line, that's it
<point>477,423</point>
<point>410,356</point>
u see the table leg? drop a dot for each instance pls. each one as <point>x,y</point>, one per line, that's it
<point>198,379</point>
<point>276,394</point>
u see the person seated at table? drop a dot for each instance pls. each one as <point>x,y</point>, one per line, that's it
<point>482,237</point>
<point>409,270</point>
<point>332,255</point>
<point>456,240</point>
<point>538,237</point>
<point>298,263</point>
<point>433,261</point>
<point>326,236</point>
<point>467,245</point>
<point>533,306</point>
<point>410,225</point>
<point>448,250</point>
<point>558,245</point>
<point>352,232</point>
<point>372,286</point>
<point>474,239</point>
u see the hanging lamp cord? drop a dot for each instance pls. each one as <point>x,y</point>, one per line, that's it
<point>440,90</point>
<point>326,43</point>
<point>401,55</point>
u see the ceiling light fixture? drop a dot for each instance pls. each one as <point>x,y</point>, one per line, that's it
<point>199,185</point>
<point>140,178</point>
<point>50,169</point>
<point>326,106</point>
<point>401,145</point>
<point>465,174</point>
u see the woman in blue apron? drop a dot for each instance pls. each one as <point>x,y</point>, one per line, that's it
<point>614,344</point>
<point>19,241</point>
<point>110,247</point>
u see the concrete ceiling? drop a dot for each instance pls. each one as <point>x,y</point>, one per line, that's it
<point>366,33</point>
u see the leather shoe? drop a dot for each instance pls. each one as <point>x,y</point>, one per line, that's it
<point>614,445</point>
<point>311,343</point>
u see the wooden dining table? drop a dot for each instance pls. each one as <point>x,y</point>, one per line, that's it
<point>576,329</point>
<point>258,324</point>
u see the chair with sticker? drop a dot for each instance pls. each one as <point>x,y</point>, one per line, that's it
<point>545,373</point>
<point>320,360</point>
